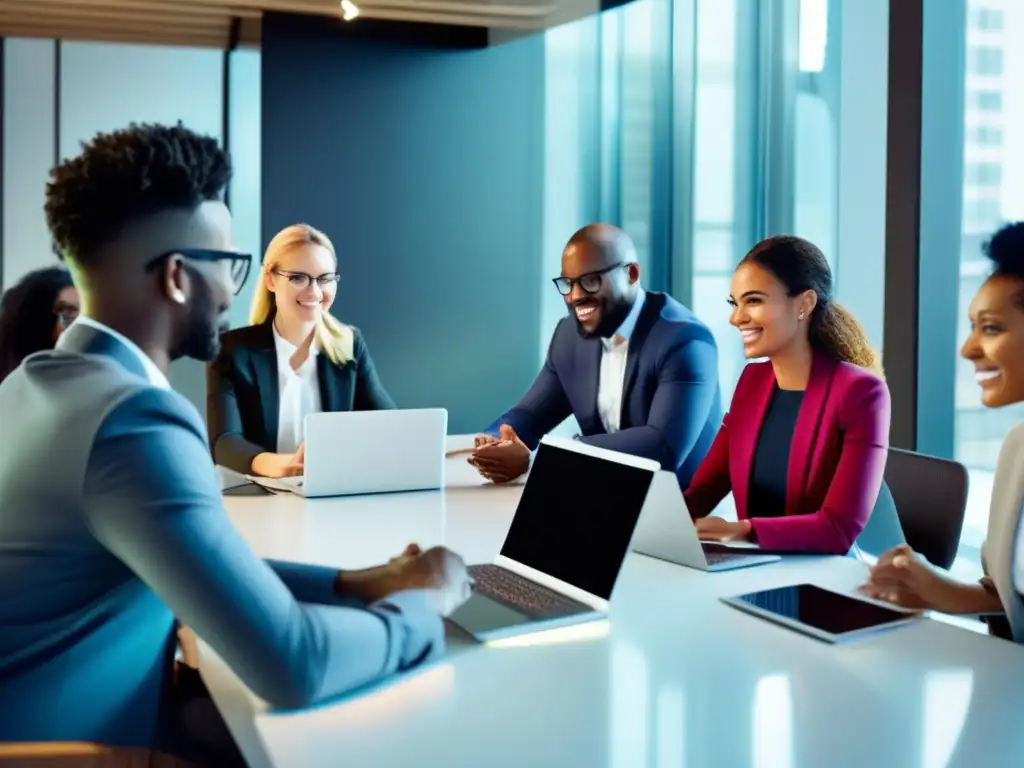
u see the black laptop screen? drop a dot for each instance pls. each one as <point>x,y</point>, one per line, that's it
<point>576,518</point>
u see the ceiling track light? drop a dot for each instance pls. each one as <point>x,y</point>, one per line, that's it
<point>349,10</point>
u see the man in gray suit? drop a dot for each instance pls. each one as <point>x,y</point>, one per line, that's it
<point>111,520</point>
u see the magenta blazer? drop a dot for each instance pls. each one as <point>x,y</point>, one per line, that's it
<point>836,460</point>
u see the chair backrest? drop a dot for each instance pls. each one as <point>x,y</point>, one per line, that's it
<point>883,531</point>
<point>931,500</point>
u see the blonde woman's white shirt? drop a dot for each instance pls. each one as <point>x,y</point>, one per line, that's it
<point>299,393</point>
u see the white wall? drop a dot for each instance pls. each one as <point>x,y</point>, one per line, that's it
<point>107,86</point>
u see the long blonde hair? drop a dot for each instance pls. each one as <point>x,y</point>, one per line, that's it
<point>333,338</point>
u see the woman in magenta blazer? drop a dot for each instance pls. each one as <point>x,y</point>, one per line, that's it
<point>804,444</point>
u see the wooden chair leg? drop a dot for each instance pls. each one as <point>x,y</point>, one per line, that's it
<point>72,754</point>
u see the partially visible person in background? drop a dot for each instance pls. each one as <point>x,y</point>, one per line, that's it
<point>995,347</point>
<point>33,312</point>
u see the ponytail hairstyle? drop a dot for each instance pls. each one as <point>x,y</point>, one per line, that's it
<point>332,337</point>
<point>801,266</point>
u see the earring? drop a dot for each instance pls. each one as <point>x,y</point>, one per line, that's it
<point>801,317</point>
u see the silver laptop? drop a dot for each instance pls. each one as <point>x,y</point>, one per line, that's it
<point>566,545</point>
<point>356,452</point>
<point>666,531</point>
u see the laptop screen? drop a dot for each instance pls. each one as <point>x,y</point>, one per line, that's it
<point>576,517</point>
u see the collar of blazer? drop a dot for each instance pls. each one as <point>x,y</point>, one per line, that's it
<point>334,381</point>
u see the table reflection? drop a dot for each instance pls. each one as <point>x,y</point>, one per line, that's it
<point>947,699</point>
<point>773,722</point>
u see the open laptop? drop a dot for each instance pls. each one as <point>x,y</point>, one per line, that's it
<point>355,452</point>
<point>569,537</point>
<point>666,531</point>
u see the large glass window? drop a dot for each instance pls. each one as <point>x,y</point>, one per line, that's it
<point>789,137</point>
<point>636,149</point>
<point>992,194</point>
<point>720,234</point>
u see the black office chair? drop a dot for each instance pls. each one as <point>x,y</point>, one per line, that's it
<point>930,495</point>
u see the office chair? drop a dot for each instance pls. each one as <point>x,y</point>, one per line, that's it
<point>930,495</point>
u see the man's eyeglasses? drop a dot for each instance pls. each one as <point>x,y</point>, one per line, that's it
<point>302,280</point>
<point>590,282</point>
<point>240,262</point>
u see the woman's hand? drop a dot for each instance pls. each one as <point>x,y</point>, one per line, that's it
<point>716,529</point>
<point>904,578</point>
<point>279,464</point>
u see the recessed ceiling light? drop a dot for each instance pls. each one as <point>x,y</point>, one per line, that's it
<point>349,10</point>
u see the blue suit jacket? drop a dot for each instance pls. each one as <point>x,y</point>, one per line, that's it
<point>112,525</point>
<point>671,405</point>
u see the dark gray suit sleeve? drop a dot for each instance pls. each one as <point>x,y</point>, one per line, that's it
<point>679,411</point>
<point>152,499</point>
<point>370,393</point>
<point>224,420</point>
<point>541,409</point>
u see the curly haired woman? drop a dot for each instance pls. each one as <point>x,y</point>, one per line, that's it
<point>804,445</point>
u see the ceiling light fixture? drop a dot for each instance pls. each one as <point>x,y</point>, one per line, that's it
<point>349,10</point>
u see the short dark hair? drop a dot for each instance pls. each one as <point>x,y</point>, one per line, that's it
<point>26,316</point>
<point>123,176</point>
<point>1005,249</point>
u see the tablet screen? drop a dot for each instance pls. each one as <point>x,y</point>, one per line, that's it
<point>826,611</point>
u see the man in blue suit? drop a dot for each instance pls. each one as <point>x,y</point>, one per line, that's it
<point>636,368</point>
<point>111,519</point>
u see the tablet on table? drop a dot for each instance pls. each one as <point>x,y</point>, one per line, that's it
<point>822,613</point>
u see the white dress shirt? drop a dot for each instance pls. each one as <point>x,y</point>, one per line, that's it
<point>155,375</point>
<point>299,392</point>
<point>612,376</point>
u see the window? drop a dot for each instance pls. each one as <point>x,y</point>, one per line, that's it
<point>986,60</point>
<point>981,215</point>
<point>988,19</point>
<point>771,104</point>
<point>990,198</point>
<point>719,236</point>
<point>986,135</point>
<point>983,174</point>
<point>636,129</point>
<point>987,101</point>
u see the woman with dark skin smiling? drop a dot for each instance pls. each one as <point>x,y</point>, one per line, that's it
<point>804,444</point>
<point>995,347</point>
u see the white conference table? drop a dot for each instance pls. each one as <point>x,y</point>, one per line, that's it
<point>674,677</point>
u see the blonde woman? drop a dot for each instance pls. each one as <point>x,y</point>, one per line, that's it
<point>293,359</point>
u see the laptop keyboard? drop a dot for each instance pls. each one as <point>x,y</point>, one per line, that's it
<point>526,596</point>
<point>714,558</point>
